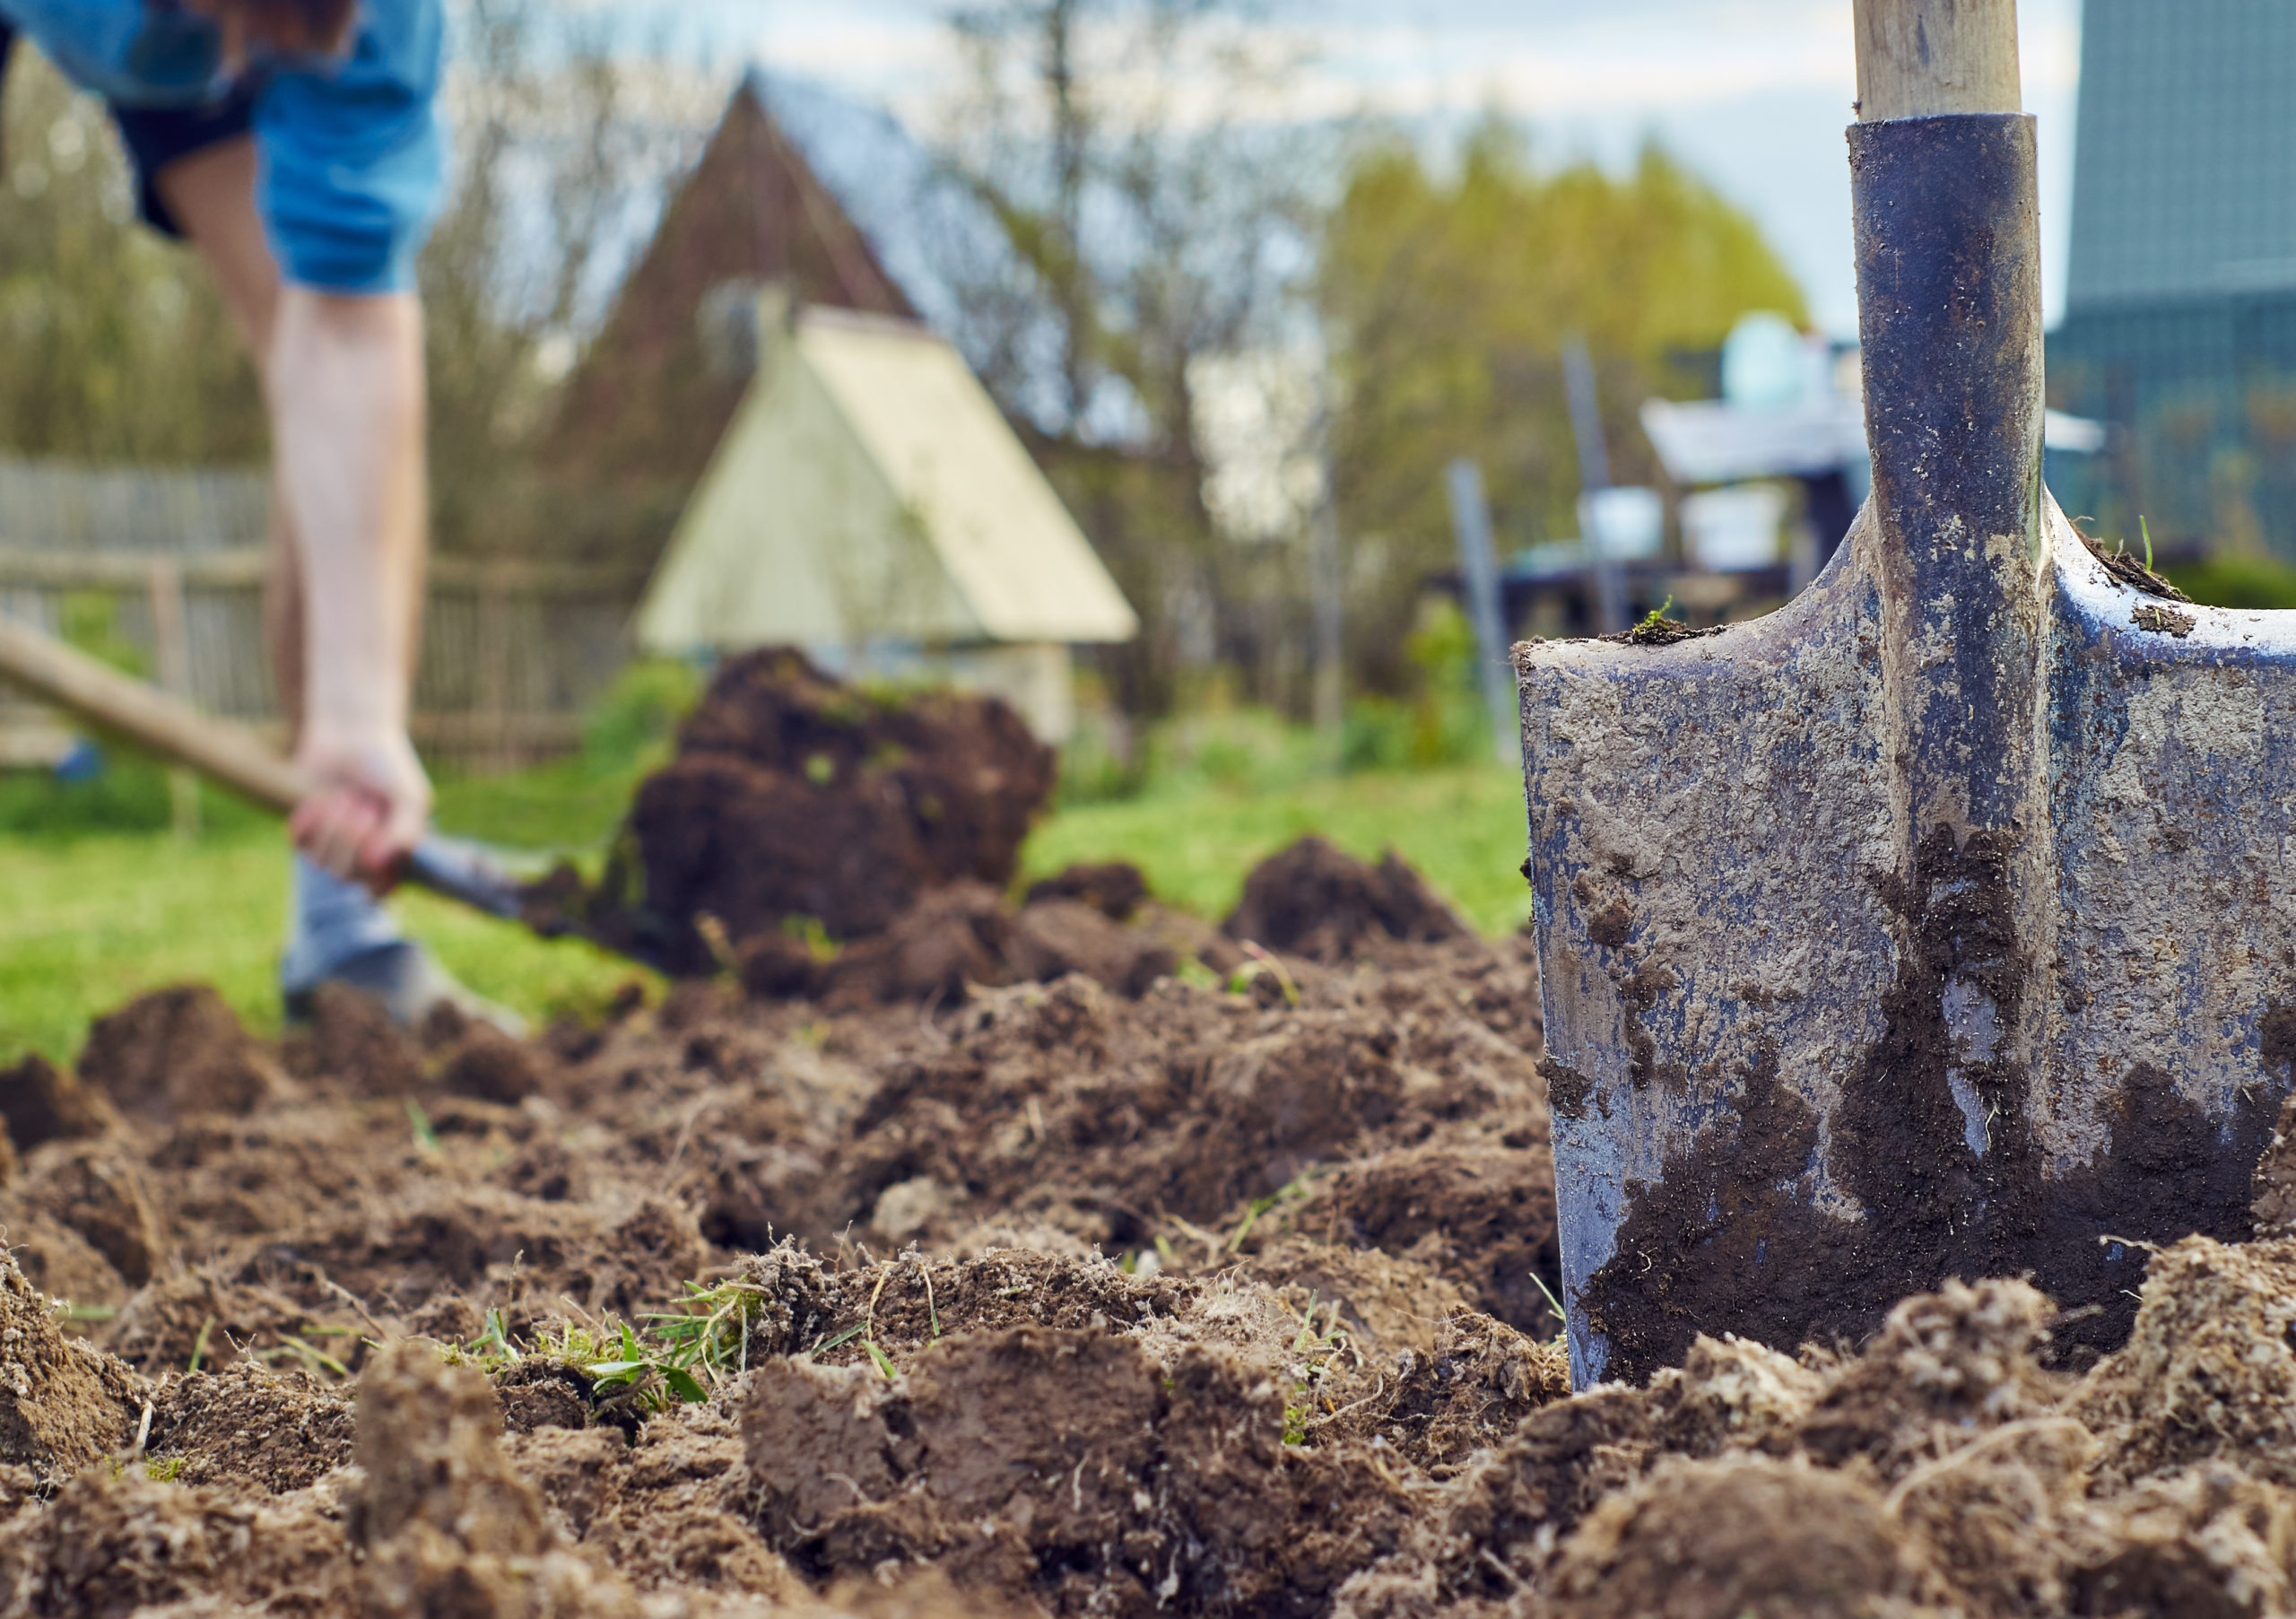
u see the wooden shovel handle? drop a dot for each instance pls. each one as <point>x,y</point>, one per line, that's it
<point>228,754</point>
<point>1917,58</point>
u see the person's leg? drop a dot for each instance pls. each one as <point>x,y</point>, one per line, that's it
<point>336,927</point>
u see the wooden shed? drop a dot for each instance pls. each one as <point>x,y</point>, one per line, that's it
<point>869,502</point>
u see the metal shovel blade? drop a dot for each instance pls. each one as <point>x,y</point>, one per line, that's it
<point>1943,923</point>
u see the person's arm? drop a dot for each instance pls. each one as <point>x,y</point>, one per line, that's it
<point>345,380</point>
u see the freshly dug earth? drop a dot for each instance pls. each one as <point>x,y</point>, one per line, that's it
<point>1059,1298</point>
<point>796,801</point>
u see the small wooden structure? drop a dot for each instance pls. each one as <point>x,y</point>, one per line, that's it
<point>869,502</point>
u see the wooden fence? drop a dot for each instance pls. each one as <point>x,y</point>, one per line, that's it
<point>513,651</point>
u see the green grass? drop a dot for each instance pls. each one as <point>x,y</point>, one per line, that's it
<point>1462,826</point>
<point>93,921</point>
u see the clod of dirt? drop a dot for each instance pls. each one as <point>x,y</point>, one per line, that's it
<point>2163,620</point>
<point>2127,571</point>
<point>249,1428</point>
<point>2273,1185</point>
<point>542,1394</point>
<point>64,1404</point>
<point>1944,1363</point>
<point>921,790</point>
<point>1115,888</point>
<point>178,1051</point>
<point>1658,631</point>
<point>1743,1537</point>
<point>448,1525</point>
<point>949,938</point>
<point>352,1043</point>
<point>1484,1212</point>
<point>1390,1304</point>
<point>100,1190</point>
<point>1312,900</point>
<point>669,1509</point>
<point>2210,1543</point>
<point>490,1066</point>
<point>1053,937</point>
<point>1466,1394</point>
<point>57,1260</point>
<point>2007,1517</point>
<point>1730,1394</point>
<point>110,1545</point>
<point>40,1102</point>
<point>1060,1466</point>
<point>2209,1371</point>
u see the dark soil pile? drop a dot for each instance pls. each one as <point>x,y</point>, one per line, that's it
<point>796,800</point>
<point>1313,900</point>
<point>1044,1298</point>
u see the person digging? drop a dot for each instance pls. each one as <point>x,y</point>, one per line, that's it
<point>295,145</point>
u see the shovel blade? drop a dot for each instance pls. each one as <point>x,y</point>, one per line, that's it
<point>1808,1055</point>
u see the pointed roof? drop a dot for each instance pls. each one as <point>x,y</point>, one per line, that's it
<point>646,404</point>
<point>870,490</point>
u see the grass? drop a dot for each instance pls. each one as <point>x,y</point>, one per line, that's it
<point>1461,825</point>
<point>95,921</point>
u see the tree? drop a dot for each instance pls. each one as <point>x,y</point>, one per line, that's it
<point>553,143</point>
<point>113,346</point>
<point>1140,225</point>
<point>1445,305</point>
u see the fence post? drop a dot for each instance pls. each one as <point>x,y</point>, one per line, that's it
<point>1479,570</point>
<point>494,671</point>
<point>173,645</point>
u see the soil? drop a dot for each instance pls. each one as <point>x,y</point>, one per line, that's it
<point>1313,900</point>
<point>920,790</point>
<point>1201,1295</point>
<point>1739,1197</point>
<point>2127,571</point>
<point>1656,630</point>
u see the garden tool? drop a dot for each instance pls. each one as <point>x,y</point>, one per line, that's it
<point>235,759</point>
<point>1942,923</point>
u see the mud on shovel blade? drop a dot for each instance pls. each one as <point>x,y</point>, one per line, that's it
<point>1942,923</point>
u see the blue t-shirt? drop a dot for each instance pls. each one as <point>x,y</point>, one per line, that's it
<point>351,155</point>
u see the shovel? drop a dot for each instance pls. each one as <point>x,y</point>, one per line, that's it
<point>1944,922</point>
<point>234,759</point>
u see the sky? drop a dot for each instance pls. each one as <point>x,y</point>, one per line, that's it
<point>1753,95</point>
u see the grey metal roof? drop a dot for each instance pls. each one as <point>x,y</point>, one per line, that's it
<point>2184,173</point>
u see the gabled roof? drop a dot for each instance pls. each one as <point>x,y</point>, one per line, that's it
<point>1013,550</point>
<point>646,402</point>
<point>870,490</point>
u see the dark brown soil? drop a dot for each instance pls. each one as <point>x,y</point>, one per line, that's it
<point>1069,1298</point>
<point>1315,901</point>
<point>2127,571</point>
<point>1658,631</point>
<point>796,801</point>
<point>1729,1239</point>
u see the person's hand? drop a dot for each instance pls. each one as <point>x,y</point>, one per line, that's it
<point>372,809</point>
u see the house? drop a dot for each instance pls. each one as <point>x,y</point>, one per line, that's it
<point>869,502</point>
<point>2180,328</point>
<point>802,461</point>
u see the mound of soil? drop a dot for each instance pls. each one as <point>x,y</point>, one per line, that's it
<point>920,790</point>
<point>1313,900</point>
<point>1046,1298</point>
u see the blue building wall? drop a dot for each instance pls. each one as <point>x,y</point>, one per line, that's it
<point>2180,323</point>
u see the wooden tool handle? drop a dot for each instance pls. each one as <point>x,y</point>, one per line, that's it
<point>1917,58</point>
<point>226,753</point>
